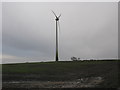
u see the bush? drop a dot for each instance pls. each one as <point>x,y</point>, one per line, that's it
<point>74,59</point>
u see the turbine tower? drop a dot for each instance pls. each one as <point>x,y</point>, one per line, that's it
<point>57,21</point>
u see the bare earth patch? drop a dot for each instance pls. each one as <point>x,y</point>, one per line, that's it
<point>79,83</point>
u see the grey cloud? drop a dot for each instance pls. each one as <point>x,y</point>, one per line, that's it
<point>88,30</point>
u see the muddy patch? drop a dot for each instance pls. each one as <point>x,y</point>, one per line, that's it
<point>79,83</point>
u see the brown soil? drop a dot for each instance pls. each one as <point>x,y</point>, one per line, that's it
<point>79,83</point>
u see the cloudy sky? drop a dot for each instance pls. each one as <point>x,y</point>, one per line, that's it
<point>87,30</point>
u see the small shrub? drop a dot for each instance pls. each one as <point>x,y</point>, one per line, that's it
<point>74,59</point>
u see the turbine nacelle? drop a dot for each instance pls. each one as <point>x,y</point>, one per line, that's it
<point>57,17</point>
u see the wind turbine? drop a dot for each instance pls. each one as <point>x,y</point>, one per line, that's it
<point>57,21</point>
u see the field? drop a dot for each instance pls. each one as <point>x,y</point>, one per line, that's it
<point>62,74</point>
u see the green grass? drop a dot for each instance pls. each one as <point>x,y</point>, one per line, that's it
<point>63,70</point>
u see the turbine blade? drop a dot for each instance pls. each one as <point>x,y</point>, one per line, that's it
<point>59,31</point>
<point>59,16</point>
<point>54,14</point>
<point>59,27</point>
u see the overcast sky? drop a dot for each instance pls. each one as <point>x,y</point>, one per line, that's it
<point>87,30</point>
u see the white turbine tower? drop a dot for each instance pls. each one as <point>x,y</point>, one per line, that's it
<point>57,22</point>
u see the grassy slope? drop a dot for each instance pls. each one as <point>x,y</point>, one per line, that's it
<point>53,71</point>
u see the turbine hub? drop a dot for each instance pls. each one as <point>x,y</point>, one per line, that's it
<point>57,19</point>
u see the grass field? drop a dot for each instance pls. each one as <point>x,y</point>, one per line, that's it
<point>62,71</point>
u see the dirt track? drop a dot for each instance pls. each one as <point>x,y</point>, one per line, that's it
<point>79,83</point>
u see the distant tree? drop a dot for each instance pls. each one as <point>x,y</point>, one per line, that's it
<point>74,58</point>
<point>78,58</point>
